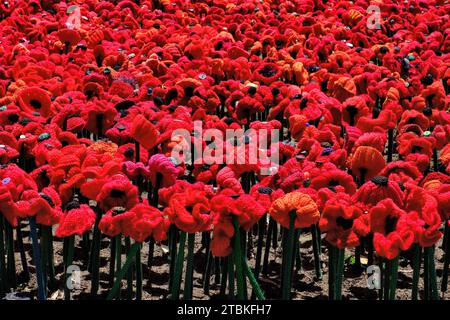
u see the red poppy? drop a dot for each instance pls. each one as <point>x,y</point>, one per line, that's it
<point>144,132</point>
<point>145,221</point>
<point>387,222</point>
<point>189,211</point>
<point>343,222</point>
<point>377,189</point>
<point>77,220</point>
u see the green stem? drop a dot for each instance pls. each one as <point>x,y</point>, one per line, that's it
<point>11,265</point>
<point>178,268</point>
<point>331,272</point>
<point>138,275</point>
<point>432,274</point>
<point>189,268</point>
<point>121,273</point>
<point>393,277</point>
<point>173,253</point>
<point>94,258</point>
<point>446,245</point>
<point>3,274</point>
<point>426,273</point>
<point>316,249</point>
<point>339,273</point>
<point>287,265</point>
<point>255,285</point>
<point>69,244</point>
<point>237,253</point>
<point>230,277</point>
<point>417,258</point>
<point>130,271</point>
<point>36,257</point>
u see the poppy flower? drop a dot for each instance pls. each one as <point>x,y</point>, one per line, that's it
<point>77,220</point>
<point>116,191</point>
<point>144,221</point>
<point>190,211</point>
<point>377,189</point>
<point>367,162</point>
<point>387,224</point>
<point>423,208</point>
<point>343,222</point>
<point>144,132</point>
<point>267,73</point>
<point>305,208</point>
<point>35,99</point>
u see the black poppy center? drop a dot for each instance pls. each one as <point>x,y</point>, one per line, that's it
<point>344,223</point>
<point>35,104</point>
<point>48,199</point>
<point>117,193</point>
<point>265,190</point>
<point>129,153</point>
<point>380,180</point>
<point>390,224</point>
<point>267,71</point>
<point>13,117</point>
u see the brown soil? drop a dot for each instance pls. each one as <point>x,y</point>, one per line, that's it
<point>155,282</point>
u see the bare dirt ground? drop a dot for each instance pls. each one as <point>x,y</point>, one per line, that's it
<point>155,282</point>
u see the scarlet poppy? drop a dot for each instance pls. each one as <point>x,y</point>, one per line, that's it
<point>343,222</point>
<point>77,220</point>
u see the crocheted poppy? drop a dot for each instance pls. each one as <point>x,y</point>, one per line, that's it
<point>144,221</point>
<point>77,220</point>
<point>305,208</point>
<point>377,189</point>
<point>387,222</point>
<point>35,99</point>
<point>189,211</point>
<point>144,132</point>
<point>343,222</point>
<point>367,162</point>
<point>116,191</point>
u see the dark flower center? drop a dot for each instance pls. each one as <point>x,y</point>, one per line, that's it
<point>380,180</point>
<point>390,224</point>
<point>48,199</point>
<point>265,190</point>
<point>267,71</point>
<point>416,149</point>
<point>129,153</point>
<point>116,193</point>
<point>35,104</point>
<point>13,117</point>
<point>72,205</point>
<point>344,223</point>
<point>333,183</point>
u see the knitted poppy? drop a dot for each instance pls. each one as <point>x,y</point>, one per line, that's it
<point>190,211</point>
<point>144,221</point>
<point>387,224</point>
<point>114,221</point>
<point>332,179</point>
<point>166,166</point>
<point>424,209</point>
<point>305,208</point>
<point>35,99</point>
<point>116,191</point>
<point>377,189</point>
<point>144,132</point>
<point>367,162</point>
<point>77,220</point>
<point>343,222</point>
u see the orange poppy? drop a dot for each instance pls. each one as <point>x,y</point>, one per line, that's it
<point>304,206</point>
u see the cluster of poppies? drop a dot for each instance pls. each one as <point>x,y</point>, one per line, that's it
<point>92,92</point>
